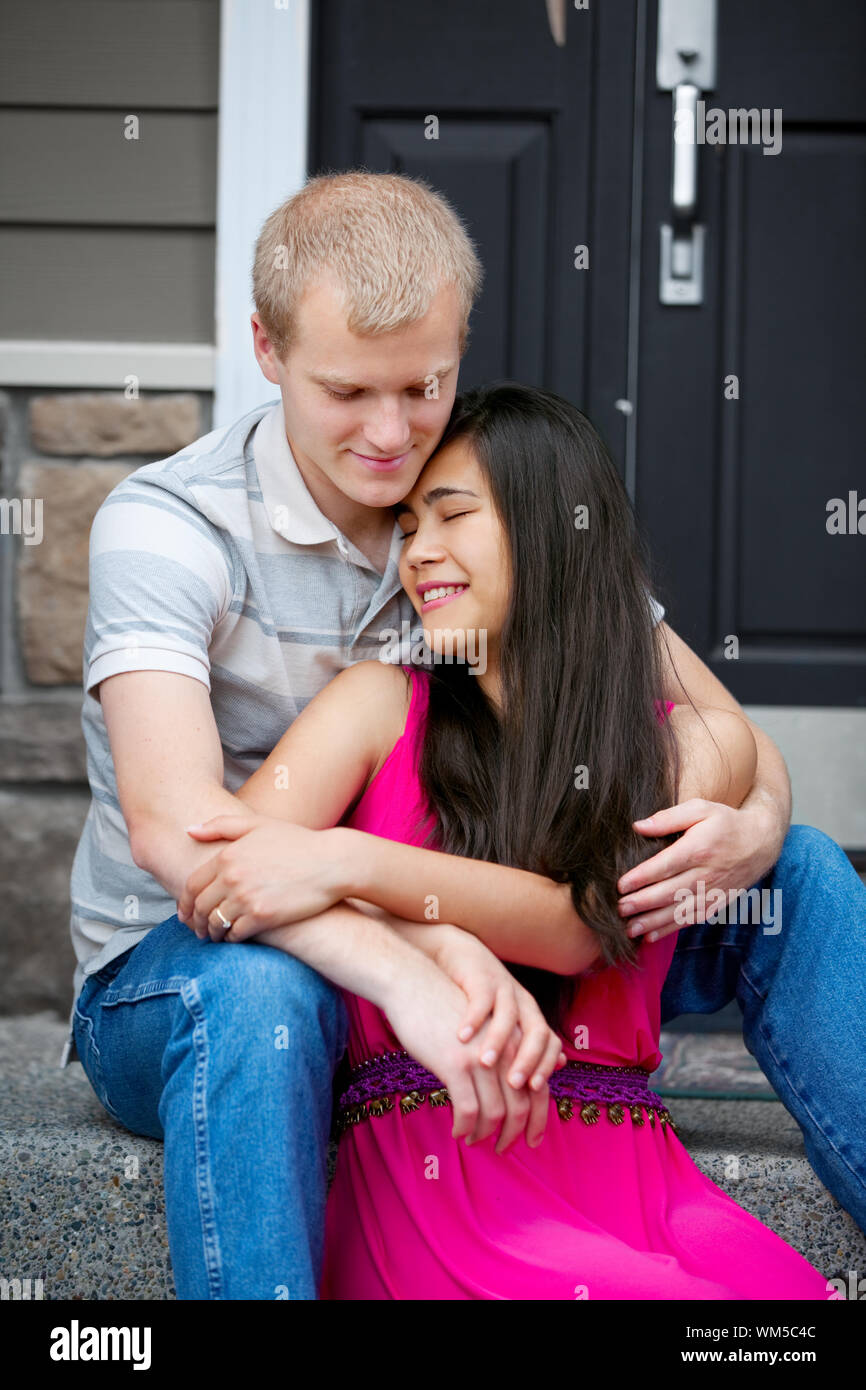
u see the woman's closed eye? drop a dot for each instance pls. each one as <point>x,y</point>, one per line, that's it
<point>404,535</point>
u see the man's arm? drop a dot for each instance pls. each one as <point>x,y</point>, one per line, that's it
<point>770,796</point>
<point>717,846</point>
<point>168,762</point>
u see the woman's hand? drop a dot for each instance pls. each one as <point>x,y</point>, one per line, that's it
<point>273,872</point>
<point>514,1039</point>
<point>426,1011</point>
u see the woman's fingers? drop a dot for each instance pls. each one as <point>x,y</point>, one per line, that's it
<point>502,1024</point>
<point>538,1116</point>
<point>464,1103</point>
<point>491,1105</point>
<point>478,1009</point>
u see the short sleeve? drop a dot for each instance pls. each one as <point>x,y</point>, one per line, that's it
<point>657,611</point>
<point>160,579</point>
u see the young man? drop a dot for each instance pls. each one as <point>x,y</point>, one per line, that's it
<point>227,585</point>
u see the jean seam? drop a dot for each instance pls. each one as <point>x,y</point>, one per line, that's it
<point>96,1062</point>
<point>173,985</point>
<point>204,1181</point>
<point>794,1092</point>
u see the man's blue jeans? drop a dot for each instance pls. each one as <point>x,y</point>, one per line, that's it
<point>227,1053</point>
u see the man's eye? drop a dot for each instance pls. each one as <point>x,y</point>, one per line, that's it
<point>341,395</point>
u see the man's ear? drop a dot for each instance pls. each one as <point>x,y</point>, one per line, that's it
<point>264,350</point>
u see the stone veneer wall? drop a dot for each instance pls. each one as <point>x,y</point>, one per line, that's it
<point>69,450</point>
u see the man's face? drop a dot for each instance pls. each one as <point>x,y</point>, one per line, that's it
<point>364,414</point>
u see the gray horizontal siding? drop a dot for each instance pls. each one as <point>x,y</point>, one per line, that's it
<point>115,284</point>
<point>77,167</point>
<point>120,53</point>
<point>103,237</point>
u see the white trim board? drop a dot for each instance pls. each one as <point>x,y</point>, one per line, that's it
<point>825,750</point>
<point>158,366</point>
<point>262,160</point>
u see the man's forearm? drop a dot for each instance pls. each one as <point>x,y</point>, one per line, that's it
<point>770,796</point>
<point>522,917</point>
<point>162,847</point>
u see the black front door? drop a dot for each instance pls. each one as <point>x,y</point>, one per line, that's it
<point>735,420</point>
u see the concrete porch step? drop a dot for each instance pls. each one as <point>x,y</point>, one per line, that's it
<point>84,1211</point>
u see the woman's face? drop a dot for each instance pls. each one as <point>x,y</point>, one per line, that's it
<point>454,541</point>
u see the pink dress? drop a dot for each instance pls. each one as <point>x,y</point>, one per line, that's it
<point>613,1208</point>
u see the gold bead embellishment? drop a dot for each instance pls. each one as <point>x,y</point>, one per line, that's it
<point>411,1102</point>
<point>371,1075</point>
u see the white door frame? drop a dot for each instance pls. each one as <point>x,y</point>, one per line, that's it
<point>262,160</point>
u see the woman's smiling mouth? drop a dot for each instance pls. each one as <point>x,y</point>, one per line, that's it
<point>434,595</point>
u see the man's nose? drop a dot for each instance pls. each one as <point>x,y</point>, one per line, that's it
<point>388,429</point>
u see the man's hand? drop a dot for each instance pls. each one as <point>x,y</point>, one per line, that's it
<point>721,847</point>
<point>273,872</point>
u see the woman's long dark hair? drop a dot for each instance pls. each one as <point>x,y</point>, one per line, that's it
<point>580,667</point>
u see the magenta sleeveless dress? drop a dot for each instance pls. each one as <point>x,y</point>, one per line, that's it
<point>609,1206</point>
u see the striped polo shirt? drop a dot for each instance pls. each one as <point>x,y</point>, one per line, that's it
<point>216,563</point>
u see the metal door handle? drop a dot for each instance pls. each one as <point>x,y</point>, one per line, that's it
<point>685,66</point>
<point>684,170</point>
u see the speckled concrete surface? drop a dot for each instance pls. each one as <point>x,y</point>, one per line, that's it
<point>82,1200</point>
<point>81,1197</point>
<point>754,1150</point>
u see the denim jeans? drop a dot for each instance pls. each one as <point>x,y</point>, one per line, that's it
<point>228,1054</point>
<point>802,992</point>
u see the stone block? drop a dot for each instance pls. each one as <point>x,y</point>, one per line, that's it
<point>40,835</point>
<point>108,424</point>
<point>53,574</point>
<point>42,740</point>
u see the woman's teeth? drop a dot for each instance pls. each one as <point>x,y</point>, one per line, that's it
<point>430,594</point>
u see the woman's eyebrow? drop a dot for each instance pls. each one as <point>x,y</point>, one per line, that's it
<point>435,493</point>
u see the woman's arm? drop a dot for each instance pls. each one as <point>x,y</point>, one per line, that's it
<point>318,771</point>
<point>322,764</point>
<point>767,806</point>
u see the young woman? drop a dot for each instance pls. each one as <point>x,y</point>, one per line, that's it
<point>540,753</point>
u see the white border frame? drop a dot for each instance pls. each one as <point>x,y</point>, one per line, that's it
<point>158,366</point>
<point>262,160</point>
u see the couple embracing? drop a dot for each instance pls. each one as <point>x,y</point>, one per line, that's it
<point>428,902</point>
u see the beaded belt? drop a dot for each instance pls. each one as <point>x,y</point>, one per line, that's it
<point>375,1084</point>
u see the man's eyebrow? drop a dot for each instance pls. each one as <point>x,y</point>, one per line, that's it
<point>334,378</point>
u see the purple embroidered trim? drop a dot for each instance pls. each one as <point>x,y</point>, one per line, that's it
<point>583,1081</point>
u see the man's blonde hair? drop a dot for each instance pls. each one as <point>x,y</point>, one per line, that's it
<point>390,241</point>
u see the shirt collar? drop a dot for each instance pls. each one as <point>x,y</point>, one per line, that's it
<point>290,508</point>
